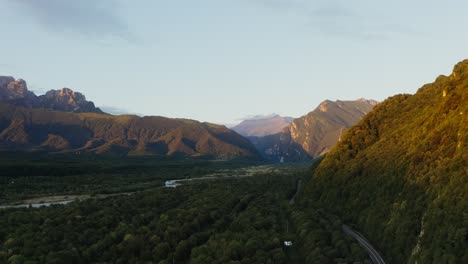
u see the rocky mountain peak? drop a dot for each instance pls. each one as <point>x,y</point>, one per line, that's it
<point>369,101</point>
<point>68,100</point>
<point>18,88</point>
<point>315,133</point>
<point>323,107</point>
<point>16,92</point>
<point>66,95</point>
<point>11,89</point>
<point>5,80</point>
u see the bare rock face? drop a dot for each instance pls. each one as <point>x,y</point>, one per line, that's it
<point>67,100</point>
<point>16,92</point>
<point>318,131</point>
<point>18,88</point>
<point>315,133</point>
<point>4,82</point>
<point>12,89</point>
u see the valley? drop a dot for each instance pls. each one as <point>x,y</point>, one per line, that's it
<point>233,132</point>
<point>349,182</point>
<point>239,206</point>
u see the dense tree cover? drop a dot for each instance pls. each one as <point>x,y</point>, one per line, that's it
<point>28,176</point>
<point>401,174</point>
<point>238,220</point>
<point>206,220</point>
<point>322,240</point>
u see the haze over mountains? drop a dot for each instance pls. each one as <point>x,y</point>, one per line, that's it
<point>260,126</point>
<point>315,133</point>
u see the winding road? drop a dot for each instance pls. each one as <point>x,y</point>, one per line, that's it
<point>374,255</point>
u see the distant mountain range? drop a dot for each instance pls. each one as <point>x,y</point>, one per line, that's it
<point>260,126</point>
<point>16,92</point>
<point>314,134</point>
<point>63,121</point>
<point>54,131</point>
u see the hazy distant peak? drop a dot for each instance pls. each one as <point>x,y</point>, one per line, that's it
<point>259,117</point>
<point>262,125</point>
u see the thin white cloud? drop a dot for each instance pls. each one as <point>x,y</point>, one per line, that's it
<point>340,19</point>
<point>85,17</point>
<point>118,111</point>
<point>257,117</point>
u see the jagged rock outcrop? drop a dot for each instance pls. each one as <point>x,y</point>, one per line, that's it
<point>67,100</point>
<point>314,134</point>
<point>16,92</point>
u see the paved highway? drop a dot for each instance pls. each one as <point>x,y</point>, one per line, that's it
<point>374,255</point>
<point>298,189</point>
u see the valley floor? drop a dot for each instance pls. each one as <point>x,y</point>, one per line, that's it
<point>243,215</point>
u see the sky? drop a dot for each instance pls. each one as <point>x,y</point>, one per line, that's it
<point>222,60</point>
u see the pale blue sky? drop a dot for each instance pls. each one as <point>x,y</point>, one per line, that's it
<point>221,60</point>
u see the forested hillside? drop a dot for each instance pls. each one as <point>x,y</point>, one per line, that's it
<point>401,174</point>
<point>125,135</point>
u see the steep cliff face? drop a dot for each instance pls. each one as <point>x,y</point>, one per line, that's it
<point>318,131</point>
<point>314,134</point>
<point>67,100</point>
<point>16,92</point>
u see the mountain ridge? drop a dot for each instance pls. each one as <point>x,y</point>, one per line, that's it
<point>16,92</point>
<point>314,133</point>
<point>400,174</point>
<point>56,131</point>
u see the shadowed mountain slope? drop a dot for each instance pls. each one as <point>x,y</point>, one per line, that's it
<point>44,130</point>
